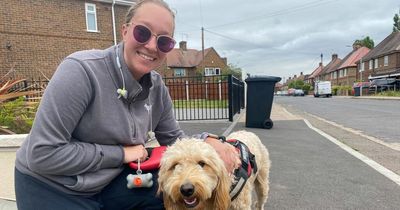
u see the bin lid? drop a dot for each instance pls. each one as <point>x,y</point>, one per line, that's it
<point>262,78</point>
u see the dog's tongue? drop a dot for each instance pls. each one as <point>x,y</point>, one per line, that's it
<point>190,201</point>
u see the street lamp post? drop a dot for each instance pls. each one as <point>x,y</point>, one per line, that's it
<point>361,79</point>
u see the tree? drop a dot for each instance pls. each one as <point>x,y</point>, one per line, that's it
<point>296,84</point>
<point>396,24</point>
<point>366,42</point>
<point>234,70</point>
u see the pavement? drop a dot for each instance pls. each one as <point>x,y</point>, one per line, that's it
<point>309,170</point>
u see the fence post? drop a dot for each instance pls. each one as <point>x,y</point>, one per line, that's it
<point>187,90</point>
<point>219,90</point>
<point>206,89</point>
<point>230,97</point>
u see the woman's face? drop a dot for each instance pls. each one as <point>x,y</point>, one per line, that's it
<point>142,58</point>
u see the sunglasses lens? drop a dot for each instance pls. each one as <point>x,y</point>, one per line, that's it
<point>141,33</point>
<point>165,43</point>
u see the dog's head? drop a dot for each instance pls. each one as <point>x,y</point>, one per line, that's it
<point>192,176</point>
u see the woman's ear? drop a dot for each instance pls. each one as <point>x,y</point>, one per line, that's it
<point>124,30</point>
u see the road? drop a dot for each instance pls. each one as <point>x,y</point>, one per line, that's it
<point>377,118</point>
<point>368,126</point>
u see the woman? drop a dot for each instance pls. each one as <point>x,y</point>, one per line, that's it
<point>96,115</point>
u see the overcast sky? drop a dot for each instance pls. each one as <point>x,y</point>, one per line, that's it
<point>281,37</point>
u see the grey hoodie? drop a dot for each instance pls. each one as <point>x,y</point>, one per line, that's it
<point>75,144</point>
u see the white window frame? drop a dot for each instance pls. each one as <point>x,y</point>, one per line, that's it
<point>182,72</point>
<point>345,72</point>
<point>371,64</point>
<point>87,12</point>
<point>211,71</point>
<point>375,63</point>
<point>341,73</point>
<point>362,66</point>
<point>386,60</point>
<point>335,75</point>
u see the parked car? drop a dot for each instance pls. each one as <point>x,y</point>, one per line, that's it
<point>379,85</point>
<point>298,92</point>
<point>291,92</point>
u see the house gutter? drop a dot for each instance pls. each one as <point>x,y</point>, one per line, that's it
<point>115,2</point>
<point>113,22</point>
<point>118,2</point>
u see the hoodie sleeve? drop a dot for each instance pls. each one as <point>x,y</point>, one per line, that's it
<point>51,148</point>
<point>168,129</point>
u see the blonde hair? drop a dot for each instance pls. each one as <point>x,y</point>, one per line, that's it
<point>132,10</point>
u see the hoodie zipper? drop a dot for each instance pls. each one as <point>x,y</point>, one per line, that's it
<point>131,114</point>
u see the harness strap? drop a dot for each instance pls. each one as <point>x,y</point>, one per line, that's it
<point>244,172</point>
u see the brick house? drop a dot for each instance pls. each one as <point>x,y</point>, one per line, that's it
<point>314,75</point>
<point>346,73</point>
<point>184,62</point>
<point>36,35</point>
<point>326,74</point>
<point>384,60</point>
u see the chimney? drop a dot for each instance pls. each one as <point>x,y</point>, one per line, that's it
<point>225,59</point>
<point>320,64</point>
<point>334,56</point>
<point>290,78</point>
<point>301,73</point>
<point>295,76</point>
<point>182,45</point>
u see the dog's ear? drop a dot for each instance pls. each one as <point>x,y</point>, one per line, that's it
<point>168,203</point>
<point>221,198</point>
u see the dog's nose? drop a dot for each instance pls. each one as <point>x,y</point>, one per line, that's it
<point>187,189</point>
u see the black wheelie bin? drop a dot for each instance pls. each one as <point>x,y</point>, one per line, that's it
<point>260,94</point>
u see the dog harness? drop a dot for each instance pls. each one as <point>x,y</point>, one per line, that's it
<point>243,173</point>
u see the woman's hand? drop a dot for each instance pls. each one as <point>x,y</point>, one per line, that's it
<point>134,153</point>
<point>227,153</point>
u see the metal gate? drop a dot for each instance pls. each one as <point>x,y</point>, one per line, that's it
<point>206,97</point>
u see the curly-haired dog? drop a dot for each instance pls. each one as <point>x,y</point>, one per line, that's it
<point>192,176</point>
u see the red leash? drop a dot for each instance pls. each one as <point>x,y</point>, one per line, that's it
<point>153,162</point>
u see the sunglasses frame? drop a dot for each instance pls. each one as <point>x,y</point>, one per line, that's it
<point>151,34</point>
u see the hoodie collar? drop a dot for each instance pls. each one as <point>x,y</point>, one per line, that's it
<point>136,89</point>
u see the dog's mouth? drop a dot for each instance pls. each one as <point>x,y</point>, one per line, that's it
<point>191,202</point>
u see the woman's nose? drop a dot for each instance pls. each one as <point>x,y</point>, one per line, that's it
<point>152,43</point>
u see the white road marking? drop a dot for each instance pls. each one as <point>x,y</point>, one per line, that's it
<point>381,169</point>
<point>394,146</point>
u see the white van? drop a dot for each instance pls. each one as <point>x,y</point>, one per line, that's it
<point>322,88</point>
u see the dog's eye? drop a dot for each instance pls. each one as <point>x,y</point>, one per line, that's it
<point>201,163</point>
<point>173,167</point>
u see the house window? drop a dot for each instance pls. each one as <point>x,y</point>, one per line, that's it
<point>179,72</point>
<point>345,72</point>
<point>376,63</point>
<point>212,71</point>
<point>91,18</point>
<point>371,64</point>
<point>340,73</point>
<point>386,60</point>
<point>335,75</point>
